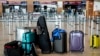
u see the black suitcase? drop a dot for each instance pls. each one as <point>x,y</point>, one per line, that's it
<point>44,40</point>
<point>59,41</point>
<point>12,49</point>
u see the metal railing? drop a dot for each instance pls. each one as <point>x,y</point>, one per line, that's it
<point>11,21</point>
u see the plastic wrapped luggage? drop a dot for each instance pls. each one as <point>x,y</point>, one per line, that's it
<point>59,40</point>
<point>13,49</point>
<point>27,40</point>
<point>76,41</point>
<point>44,40</point>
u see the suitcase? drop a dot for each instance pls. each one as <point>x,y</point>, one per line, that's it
<point>13,49</point>
<point>94,41</point>
<point>27,40</point>
<point>44,39</point>
<point>22,30</point>
<point>34,29</point>
<point>95,38</point>
<point>76,41</point>
<point>59,40</point>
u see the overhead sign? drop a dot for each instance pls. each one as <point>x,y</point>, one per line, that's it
<point>54,2</point>
<point>66,2</point>
<point>60,4</point>
<point>14,3</point>
<point>36,3</point>
<point>23,3</point>
<point>3,1</point>
<point>75,3</point>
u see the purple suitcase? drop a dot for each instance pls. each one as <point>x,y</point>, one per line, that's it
<point>76,41</point>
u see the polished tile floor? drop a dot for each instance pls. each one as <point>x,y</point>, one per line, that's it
<point>8,34</point>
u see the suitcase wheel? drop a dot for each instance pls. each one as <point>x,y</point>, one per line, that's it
<point>93,47</point>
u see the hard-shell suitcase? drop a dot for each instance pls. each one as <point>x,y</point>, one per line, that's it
<point>95,41</point>
<point>76,41</point>
<point>34,29</point>
<point>95,38</point>
<point>22,30</point>
<point>13,49</point>
<point>59,40</point>
<point>44,40</point>
<point>27,40</point>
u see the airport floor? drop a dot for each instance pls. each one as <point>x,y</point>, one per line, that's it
<point>6,37</point>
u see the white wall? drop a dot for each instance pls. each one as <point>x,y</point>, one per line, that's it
<point>97,5</point>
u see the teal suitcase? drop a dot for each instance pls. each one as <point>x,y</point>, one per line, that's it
<point>27,40</point>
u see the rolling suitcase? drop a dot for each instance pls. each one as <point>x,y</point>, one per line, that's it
<point>59,40</point>
<point>13,49</point>
<point>94,41</point>
<point>27,43</point>
<point>34,29</point>
<point>95,38</point>
<point>44,40</point>
<point>20,31</point>
<point>76,41</point>
<point>59,37</point>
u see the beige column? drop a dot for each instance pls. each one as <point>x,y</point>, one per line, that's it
<point>60,6</point>
<point>1,9</point>
<point>89,8</point>
<point>29,5</point>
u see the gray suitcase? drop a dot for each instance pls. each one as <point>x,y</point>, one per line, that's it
<point>60,42</point>
<point>59,37</point>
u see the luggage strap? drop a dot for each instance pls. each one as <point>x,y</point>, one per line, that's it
<point>27,42</point>
<point>56,34</point>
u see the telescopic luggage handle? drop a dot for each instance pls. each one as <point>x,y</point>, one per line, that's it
<point>58,21</point>
<point>97,25</point>
<point>92,26</point>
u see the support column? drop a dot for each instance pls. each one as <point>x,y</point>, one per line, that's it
<point>60,6</point>
<point>96,8</point>
<point>89,8</point>
<point>29,5</point>
<point>1,12</point>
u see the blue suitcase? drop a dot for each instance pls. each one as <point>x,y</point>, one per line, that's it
<point>76,41</point>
